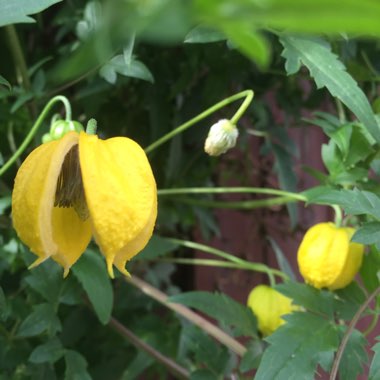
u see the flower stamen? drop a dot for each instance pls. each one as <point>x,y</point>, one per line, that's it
<point>70,191</point>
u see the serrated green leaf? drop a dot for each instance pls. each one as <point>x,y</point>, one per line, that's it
<point>367,234</point>
<point>12,12</point>
<point>355,202</point>
<point>222,308</point>
<point>157,246</point>
<point>202,34</point>
<point>374,371</point>
<point>42,319</point>
<point>328,71</point>
<point>354,356</point>
<point>297,347</point>
<point>76,366</point>
<point>318,301</point>
<point>91,272</point>
<point>49,352</point>
<point>5,83</point>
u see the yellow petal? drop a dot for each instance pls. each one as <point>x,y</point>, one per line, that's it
<point>121,195</point>
<point>33,198</point>
<point>71,234</point>
<point>352,265</point>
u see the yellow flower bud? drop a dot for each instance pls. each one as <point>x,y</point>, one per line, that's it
<point>327,258</point>
<point>269,306</point>
<point>221,137</point>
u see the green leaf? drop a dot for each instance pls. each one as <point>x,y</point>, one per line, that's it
<point>135,68</point>
<point>370,269</point>
<point>286,176</point>
<point>48,352</point>
<point>318,301</point>
<point>5,203</point>
<point>354,356</point>
<point>249,42</point>
<point>355,202</point>
<point>368,234</point>
<point>21,100</point>
<point>137,366</point>
<point>221,307</point>
<point>42,319</point>
<point>329,72</point>
<point>3,306</point>
<point>12,12</point>
<point>76,366</point>
<point>202,374</point>
<point>47,280</point>
<point>4,82</point>
<point>374,371</point>
<point>252,357</point>
<point>202,34</point>
<point>282,261</point>
<point>297,347</point>
<point>91,272</point>
<point>195,342</point>
<point>157,246</point>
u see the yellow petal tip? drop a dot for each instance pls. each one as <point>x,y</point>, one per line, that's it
<point>39,261</point>
<point>66,272</point>
<point>110,268</point>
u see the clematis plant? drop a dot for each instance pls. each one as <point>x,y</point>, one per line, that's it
<point>79,186</point>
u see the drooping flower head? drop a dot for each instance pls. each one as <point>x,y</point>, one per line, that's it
<point>80,186</point>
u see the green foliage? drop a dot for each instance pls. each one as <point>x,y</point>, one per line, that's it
<point>219,306</point>
<point>310,338</point>
<point>16,12</point>
<point>141,69</point>
<point>374,371</point>
<point>328,71</point>
<point>92,274</point>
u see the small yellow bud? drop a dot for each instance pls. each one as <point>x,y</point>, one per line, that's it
<point>221,137</point>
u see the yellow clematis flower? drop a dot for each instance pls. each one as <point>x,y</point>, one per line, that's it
<point>269,306</point>
<point>70,189</point>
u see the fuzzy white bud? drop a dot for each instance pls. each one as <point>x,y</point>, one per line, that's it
<point>221,137</point>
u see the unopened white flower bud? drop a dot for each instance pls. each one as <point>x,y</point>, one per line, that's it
<point>221,137</point>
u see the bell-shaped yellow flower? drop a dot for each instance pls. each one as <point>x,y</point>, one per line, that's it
<point>327,258</point>
<point>70,189</point>
<point>269,306</point>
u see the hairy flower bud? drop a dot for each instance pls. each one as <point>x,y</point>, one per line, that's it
<point>221,137</point>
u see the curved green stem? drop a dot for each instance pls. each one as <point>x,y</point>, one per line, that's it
<point>243,205</point>
<point>243,264</point>
<point>248,94</point>
<point>35,127</point>
<point>223,190</point>
<point>243,107</point>
<point>338,215</point>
